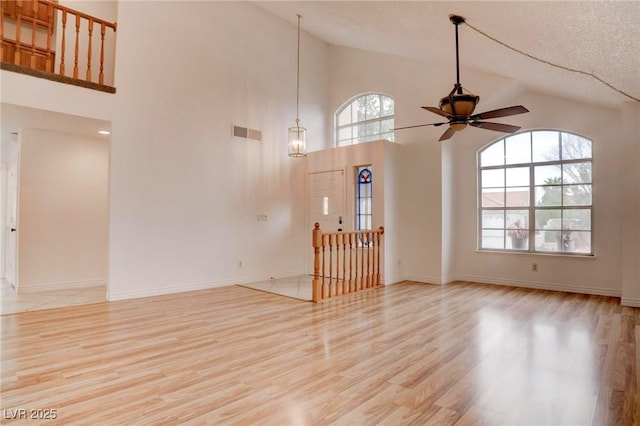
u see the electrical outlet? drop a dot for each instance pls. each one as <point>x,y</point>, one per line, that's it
<point>534,267</point>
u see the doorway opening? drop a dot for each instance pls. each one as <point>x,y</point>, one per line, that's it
<point>54,210</point>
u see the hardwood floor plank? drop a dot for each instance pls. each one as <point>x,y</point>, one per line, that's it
<point>411,353</point>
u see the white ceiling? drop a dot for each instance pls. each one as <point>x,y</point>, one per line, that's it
<point>597,37</point>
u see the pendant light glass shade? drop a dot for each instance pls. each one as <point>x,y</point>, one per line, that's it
<point>297,134</point>
<point>297,141</point>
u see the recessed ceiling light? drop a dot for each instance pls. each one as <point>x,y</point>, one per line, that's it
<point>104,132</point>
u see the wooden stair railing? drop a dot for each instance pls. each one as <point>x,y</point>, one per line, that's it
<point>39,18</point>
<point>345,262</point>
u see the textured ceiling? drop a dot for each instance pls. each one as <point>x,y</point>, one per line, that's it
<point>597,37</point>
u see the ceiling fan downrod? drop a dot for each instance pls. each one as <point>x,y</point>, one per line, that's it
<point>457,20</point>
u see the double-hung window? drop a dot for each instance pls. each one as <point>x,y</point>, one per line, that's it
<point>535,193</point>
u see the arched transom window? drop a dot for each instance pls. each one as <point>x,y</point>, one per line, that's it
<point>535,193</point>
<point>366,118</point>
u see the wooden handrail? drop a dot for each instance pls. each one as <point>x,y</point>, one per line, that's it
<point>83,45</point>
<point>345,262</point>
<point>112,25</point>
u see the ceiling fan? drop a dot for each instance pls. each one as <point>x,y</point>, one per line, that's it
<point>458,105</point>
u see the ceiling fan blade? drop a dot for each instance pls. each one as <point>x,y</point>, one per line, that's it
<point>437,111</point>
<point>419,125</point>
<point>498,127</point>
<point>502,112</point>
<point>447,134</point>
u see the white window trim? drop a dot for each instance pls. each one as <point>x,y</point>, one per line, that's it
<point>532,206</point>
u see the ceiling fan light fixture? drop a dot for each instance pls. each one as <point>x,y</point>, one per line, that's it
<point>459,104</point>
<point>458,126</point>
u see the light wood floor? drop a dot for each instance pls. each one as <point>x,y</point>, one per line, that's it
<point>406,354</point>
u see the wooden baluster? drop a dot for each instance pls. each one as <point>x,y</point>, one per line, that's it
<point>317,242</point>
<point>2,6</point>
<point>362,259</point>
<point>34,35</point>
<point>63,43</point>
<point>49,62</point>
<point>379,237</point>
<point>77,50</point>
<point>374,244</point>
<point>345,287</point>
<point>101,75</point>
<point>90,25</point>
<point>337,263</point>
<point>16,56</point>
<point>359,263</point>
<point>375,253</point>
<point>331,283</point>
<point>324,289</point>
<point>350,262</point>
<point>368,280</point>
<point>373,258</point>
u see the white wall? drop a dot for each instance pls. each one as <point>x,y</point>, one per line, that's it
<point>600,274</point>
<point>62,234</point>
<point>184,193</point>
<point>630,184</point>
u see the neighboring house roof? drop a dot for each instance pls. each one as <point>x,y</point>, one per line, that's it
<point>496,199</point>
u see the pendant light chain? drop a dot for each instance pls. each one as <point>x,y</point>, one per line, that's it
<point>297,134</point>
<point>298,76</point>
<point>544,61</point>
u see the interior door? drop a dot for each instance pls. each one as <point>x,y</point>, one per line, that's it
<point>11,225</point>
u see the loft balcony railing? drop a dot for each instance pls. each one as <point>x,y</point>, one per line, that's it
<point>46,39</point>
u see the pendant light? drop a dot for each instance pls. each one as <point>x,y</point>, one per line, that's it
<point>297,134</point>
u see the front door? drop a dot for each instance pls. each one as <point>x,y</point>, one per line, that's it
<point>326,202</point>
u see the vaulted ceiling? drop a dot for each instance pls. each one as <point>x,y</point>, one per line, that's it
<point>597,37</point>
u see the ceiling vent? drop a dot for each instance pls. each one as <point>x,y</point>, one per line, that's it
<point>246,133</point>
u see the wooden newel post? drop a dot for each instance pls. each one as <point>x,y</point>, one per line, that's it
<point>317,243</point>
<point>379,243</point>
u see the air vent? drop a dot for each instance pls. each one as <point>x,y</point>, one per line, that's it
<point>246,133</point>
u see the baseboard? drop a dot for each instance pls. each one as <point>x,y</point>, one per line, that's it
<point>394,280</point>
<point>124,295</point>
<point>424,279</point>
<point>27,288</point>
<point>539,285</point>
<point>631,303</point>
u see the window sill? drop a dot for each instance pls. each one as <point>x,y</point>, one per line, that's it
<point>530,253</point>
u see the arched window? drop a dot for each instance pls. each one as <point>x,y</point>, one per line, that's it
<point>535,193</point>
<point>366,118</point>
